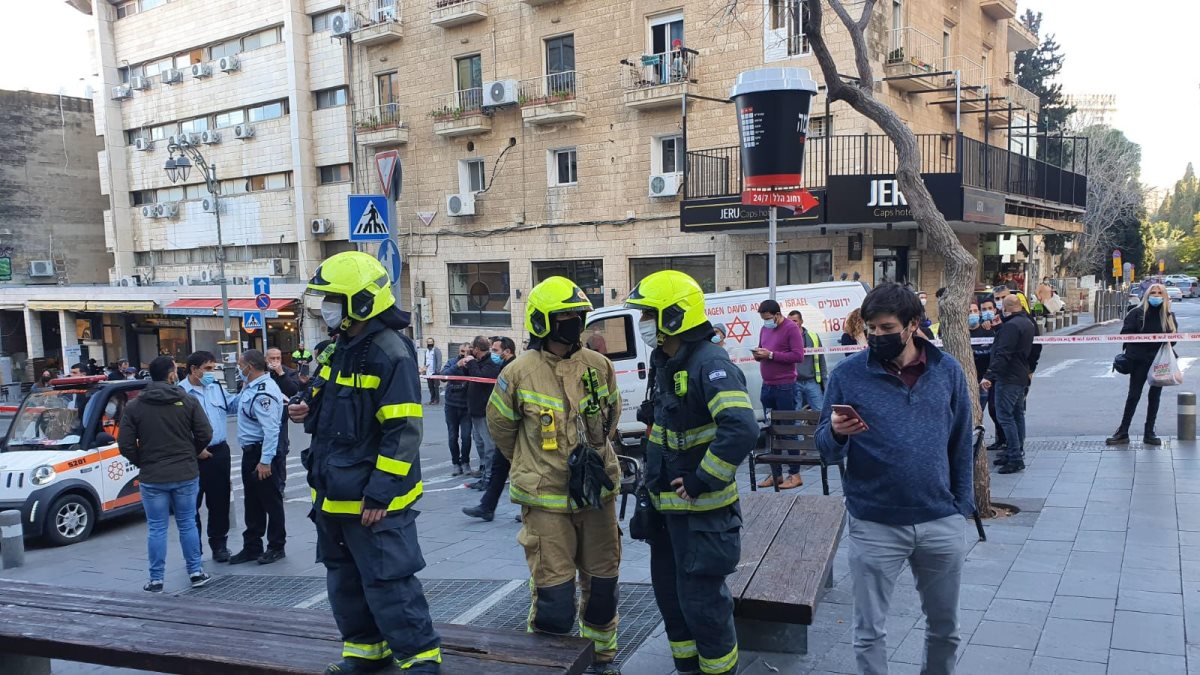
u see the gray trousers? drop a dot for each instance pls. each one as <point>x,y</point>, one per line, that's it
<point>935,552</point>
<point>483,445</point>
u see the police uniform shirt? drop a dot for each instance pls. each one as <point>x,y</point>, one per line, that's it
<point>216,404</point>
<point>260,416</point>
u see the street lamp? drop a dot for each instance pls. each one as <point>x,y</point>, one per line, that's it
<point>178,167</point>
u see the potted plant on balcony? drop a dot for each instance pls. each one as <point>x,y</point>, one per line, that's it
<point>895,56</point>
<point>446,114</point>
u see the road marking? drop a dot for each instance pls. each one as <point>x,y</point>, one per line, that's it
<point>1186,362</point>
<point>457,487</point>
<point>310,602</point>
<point>487,603</point>
<point>1058,368</point>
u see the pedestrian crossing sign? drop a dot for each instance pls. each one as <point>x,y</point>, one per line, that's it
<point>369,218</point>
<point>252,321</point>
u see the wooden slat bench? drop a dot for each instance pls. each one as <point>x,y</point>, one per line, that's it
<point>187,635</point>
<point>788,543</point>
<point>802,424</point>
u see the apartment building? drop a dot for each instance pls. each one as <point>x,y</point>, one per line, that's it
<point>546,137</point>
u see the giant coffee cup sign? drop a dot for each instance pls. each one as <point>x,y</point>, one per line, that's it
<point>773,105</point>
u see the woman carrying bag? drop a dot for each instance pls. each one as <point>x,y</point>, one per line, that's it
<point>1153,316</point>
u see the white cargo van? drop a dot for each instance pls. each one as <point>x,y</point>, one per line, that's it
<point>612,331</point>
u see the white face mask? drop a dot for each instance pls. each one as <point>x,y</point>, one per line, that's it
<point>648,328</point>
<point>331,311</point>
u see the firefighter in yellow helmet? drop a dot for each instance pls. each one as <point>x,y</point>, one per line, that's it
<point>704,426</point>
<point>553,414</point>
<point>363,410</point>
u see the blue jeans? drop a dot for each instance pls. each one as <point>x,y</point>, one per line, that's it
<point>159,499</point>
<point>781,397</point>
<point>1010,415</point>
<point>809,392</point>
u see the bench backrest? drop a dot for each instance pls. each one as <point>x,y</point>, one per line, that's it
<point>801,425</point>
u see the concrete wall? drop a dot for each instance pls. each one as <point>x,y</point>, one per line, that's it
<point>50,198</point>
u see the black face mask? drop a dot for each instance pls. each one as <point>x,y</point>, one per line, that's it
<point>567,331</point>
<point>887,347</point>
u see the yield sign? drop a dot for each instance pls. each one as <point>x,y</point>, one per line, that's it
<point>386,165</point>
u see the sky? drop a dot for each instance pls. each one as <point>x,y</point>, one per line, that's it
<point>1143,52</point>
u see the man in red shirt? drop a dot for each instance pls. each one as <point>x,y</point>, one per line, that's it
<point>780,348</point>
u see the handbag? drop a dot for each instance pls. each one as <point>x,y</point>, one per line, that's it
<point>1122,364</point>
<point>1165,370</point>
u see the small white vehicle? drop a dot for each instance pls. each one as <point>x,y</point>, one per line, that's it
<point>612,331</point>
<point>60,466</point>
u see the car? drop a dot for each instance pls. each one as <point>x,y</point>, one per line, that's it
<point>1174,293</point>
<point>59,463</point>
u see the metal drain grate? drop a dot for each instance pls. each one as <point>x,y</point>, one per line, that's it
<point>262,590</point>
<point>448,598</point>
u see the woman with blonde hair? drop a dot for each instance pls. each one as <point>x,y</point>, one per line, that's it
<point>856,332</point>
<point>1153,316</point>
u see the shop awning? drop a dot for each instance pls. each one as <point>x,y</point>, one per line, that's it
<point>212,307</point>
<point>57,305</point>
<point>143,306</point>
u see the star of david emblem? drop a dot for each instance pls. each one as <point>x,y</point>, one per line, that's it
<point>116,470</point>
<point>739,329</point>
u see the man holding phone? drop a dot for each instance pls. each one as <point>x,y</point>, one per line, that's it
<point>908,482</point>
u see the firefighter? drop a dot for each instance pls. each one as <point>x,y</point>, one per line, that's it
<point>552,414</point>
<point>704,426</point>
<point>365,473</point>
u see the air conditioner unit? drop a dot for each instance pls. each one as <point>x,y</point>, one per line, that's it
<point>320,226</point>
<point>209,204</point>
<point>206,276</point>
<point>228,64</point>
<point>664,185</point>
<point>343,24</point>
<point>460,205</point>
<point>127,282</point>
<point>186,138</point>
<point>200,70</point>
<point>243,131</point>
<point>139,83</point>
<point>500,92</point>
<point>172,76</point>
<point>183,280</point>
<point>210,137</point>
<point>41,268</point>
<point>278,267</point>
<point>122,92</point>
<point>150,211</point>
<point>167,210</point>
<point>143,143</point>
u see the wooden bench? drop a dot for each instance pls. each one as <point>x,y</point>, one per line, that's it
<point>187,635</point>
<point>788,543</point>
<point>783,425</point>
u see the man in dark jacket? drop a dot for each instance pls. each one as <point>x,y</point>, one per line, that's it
<point>458,419</point>
<point>505,350</point>
<point>479,364</point>
<point>1010,372</point>
<point>287,379</point>
<point>162,432</point>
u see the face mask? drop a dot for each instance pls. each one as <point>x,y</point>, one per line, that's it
<point>207,379</point>
<point>648,329</point>
<point>769,323</point>
<point>973,321</point>
<point>923,301</point>
<point>496,358</point>
<point>987,315</point>
<point>716,339</point>
<point>1155,301</point>
<point>568,331</point>
<point>332,312</point>
<point>887,347</point>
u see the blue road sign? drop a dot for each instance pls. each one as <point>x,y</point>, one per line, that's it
<point>252,320</point>
<point>262,301</point>
<point>261,285</point>
<point>389,256</point>
<point>369,218</point>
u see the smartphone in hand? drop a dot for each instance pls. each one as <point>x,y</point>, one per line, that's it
<point>849,411</point>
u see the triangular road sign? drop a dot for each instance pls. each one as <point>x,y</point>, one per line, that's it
<point>426,216</point>
<point>371,222</point>
<point>386,164</point>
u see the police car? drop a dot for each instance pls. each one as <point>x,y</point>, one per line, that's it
<point>59,464</point>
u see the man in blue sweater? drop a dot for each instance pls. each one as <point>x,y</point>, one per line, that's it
<point>908,482</point>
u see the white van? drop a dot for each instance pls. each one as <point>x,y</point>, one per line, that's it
<point>612,331</point>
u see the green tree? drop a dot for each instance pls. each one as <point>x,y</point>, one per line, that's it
<point>1036,70</point>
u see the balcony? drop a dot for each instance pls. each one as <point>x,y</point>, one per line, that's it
<point>658,80</point>
<point>1003,92</point>
<point>385,24</point>
<point>1020,38</point>
<point>539,3</point>
<point>460,113</point>
<point>913,57</point>
<point>968,75</point>
<point>550,99</point>
<point>999,9</point>
<point>451,13</point>
<point>381,125</point>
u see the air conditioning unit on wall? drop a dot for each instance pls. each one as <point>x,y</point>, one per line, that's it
<point>460,205</point>
<point>664,185</point>
<point>279,267</point>
<point>228,64</point>
<point>41,268</point>
<point>320,226</point>
<point>500,92</point>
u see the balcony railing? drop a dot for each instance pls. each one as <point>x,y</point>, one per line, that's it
<point>970,72</point>
<point>386,116</point>
<point>457,104</point>
<point>997,169</point>
<point>552,88</point>
<point>912,48</point>
<point>656,70</point>
<point>449,13</point>
<point>381,23</point>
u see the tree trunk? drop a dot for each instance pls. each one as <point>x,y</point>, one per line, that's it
<point>960,265</point>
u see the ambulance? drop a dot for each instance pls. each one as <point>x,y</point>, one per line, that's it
<point>59,463</point>
<point>612,331</point>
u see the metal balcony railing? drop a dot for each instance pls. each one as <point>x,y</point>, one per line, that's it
<point>386,116</point>
<point>551,88</point>
<point>970,72</point>
<point>913,48</point>
<point>656,70</point>
<point>457,104</point>
<point>446,7</point>
<point>382,11</point>
<point>1003,90</point>
<point>1063,181</point>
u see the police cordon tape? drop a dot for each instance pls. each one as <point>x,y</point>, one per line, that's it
<point>849,349</point>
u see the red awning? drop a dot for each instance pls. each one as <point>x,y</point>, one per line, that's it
<point>212,306</point>
<point>246,305</point>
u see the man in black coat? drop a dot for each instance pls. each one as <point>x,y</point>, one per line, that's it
<point>1011,370</point>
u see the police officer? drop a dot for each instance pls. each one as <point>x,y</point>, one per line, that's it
<point>558,402</point>
<point>263,438</point>
<point>703,428</point>
<point>364,468</point>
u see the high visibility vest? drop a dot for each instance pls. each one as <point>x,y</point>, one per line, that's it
<point>816,343</point>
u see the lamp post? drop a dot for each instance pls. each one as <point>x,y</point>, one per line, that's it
<point>178,167</point>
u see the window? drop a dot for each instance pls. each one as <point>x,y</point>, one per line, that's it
<point>946,42</point>
<point>336,173</point>
<point>702,268</point>
<point>156,67</point>
<point>791,267</point>
<point>139,197</point>
<point>987,61</point>
<point>236,186</point>
<point>194,125</point>
<point>331,98</point>
<point>562,167</point>
<point>131,135</point>
<point>897,17</point>
<point>267,111</point>
<point>479,294</point>
<point>797,42</point>
<point>171,194</point>
<point>587,274</point>
<point>560,54</point>
<point>197,191</point>
<point>163,131</point>
<point>222,49</point>
<point>471,176</point>
<point>387,88</point>
<point>260,39</point>
<point>468,81</point>
<point>151,4</point>
<point>668,155</point>
<point>271,181</point>
<point>231,118</point>
<point>668,63</point>
<point>779,14</point>
<point>324,21</point>
<point>818,126</point>
<point>612,336</point>
<point>126,9</point>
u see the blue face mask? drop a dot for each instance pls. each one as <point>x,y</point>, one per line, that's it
<point>769,323</point>
<point>987,315</point>
<point>207,379</point>
<point>1155,301</point>
<point>716,339</point>
<point>496,358</point>
<point>973,321</point>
